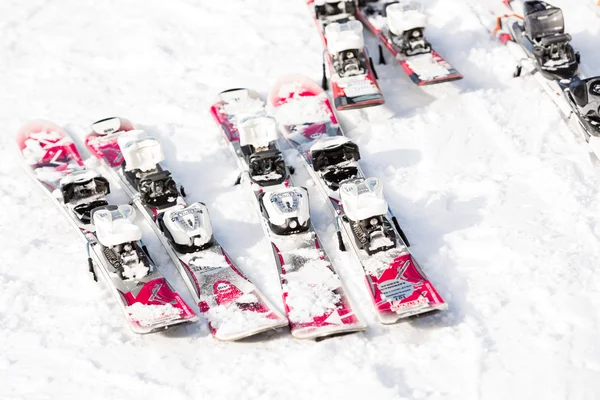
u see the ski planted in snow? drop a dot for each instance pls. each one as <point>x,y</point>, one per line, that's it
<point>397,285</point>
<point>353,76</point>
<point>233,306</point>
<point>114,242</point>
<point>400,27</point>
<point>315,300</point>
<point>534,32</point>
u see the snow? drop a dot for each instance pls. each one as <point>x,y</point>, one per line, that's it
<point>310,291</point>
<point>301,109</point>
<point>243,106</point>
<point>426,66</point>
<point>499,199</point>
<point>229,319</point>
<point>147,315</point>
<point>380,261</point>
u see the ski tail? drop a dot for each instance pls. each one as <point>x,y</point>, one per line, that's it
<point>232,305</point>
<point>403,290</point>
<point>315,300</point>
<point>156,306</point>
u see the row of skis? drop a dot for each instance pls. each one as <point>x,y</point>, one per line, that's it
<point>315,301</point>
<point>398,25</point>
<point>534,32</point>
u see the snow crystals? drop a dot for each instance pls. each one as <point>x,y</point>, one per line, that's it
<point>228,319</point>
<point>150,314</point>
<point>426,66</point>
<point>377,263</point>
<point>249,105</point>
<point>310,291</point>
<point>302,109</point>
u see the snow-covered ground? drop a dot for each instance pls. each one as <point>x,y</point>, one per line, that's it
<point>498,197</point>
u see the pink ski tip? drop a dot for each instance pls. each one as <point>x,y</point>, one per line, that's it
<point>289,86</point>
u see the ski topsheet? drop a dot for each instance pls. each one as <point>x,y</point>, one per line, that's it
<point>315,300</point>
<point>233,306</point>
<point>397,285</point>
<point>353,77</point>
<point>556,66</point>
<point>148,301</point>
<point>399,27</point>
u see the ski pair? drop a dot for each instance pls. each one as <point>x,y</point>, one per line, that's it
<point>534,32</point>
<point>232,305</point>
<point>315,300</point>
<point>113,241</point>
<point>397,285</point>
<point>400,26</point>
<point>397,25</point>
<point>353,76</point>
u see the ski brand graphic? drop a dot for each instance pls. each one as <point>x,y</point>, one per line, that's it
<point>112,258</point>
<point>396,289</point>
<point>421,301</point>
<point>155,290</point>
<point>157,296</point>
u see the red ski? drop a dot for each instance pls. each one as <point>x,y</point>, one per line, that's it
<point>315,300</point>
<point>400,27</point>
<point>353,77</point>
<point>233,306</point>
<point>397,285</point>
<point>113,241</point>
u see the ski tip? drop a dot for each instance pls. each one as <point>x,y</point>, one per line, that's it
<point>292,85</point>
<point>38,126</point>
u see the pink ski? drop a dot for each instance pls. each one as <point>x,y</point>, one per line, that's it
<point>233,306</point>
<point>315,300</point>
<point>397,285</point>
<point>400,28</point>
<point>146,298</point>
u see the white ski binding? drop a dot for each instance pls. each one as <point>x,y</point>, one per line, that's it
<point>286,210</point>
<point>118,235</point>
<point>365,210</point>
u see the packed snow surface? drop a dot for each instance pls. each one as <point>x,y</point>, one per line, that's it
<point>500,200</point>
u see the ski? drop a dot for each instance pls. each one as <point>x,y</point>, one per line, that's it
<point>400,27</point>
<point>316,302</point>
<point>353,76</point>
<point>114,242</point>
<point>534,32</point>
<point>397,285</point>
<point>232,305</point>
